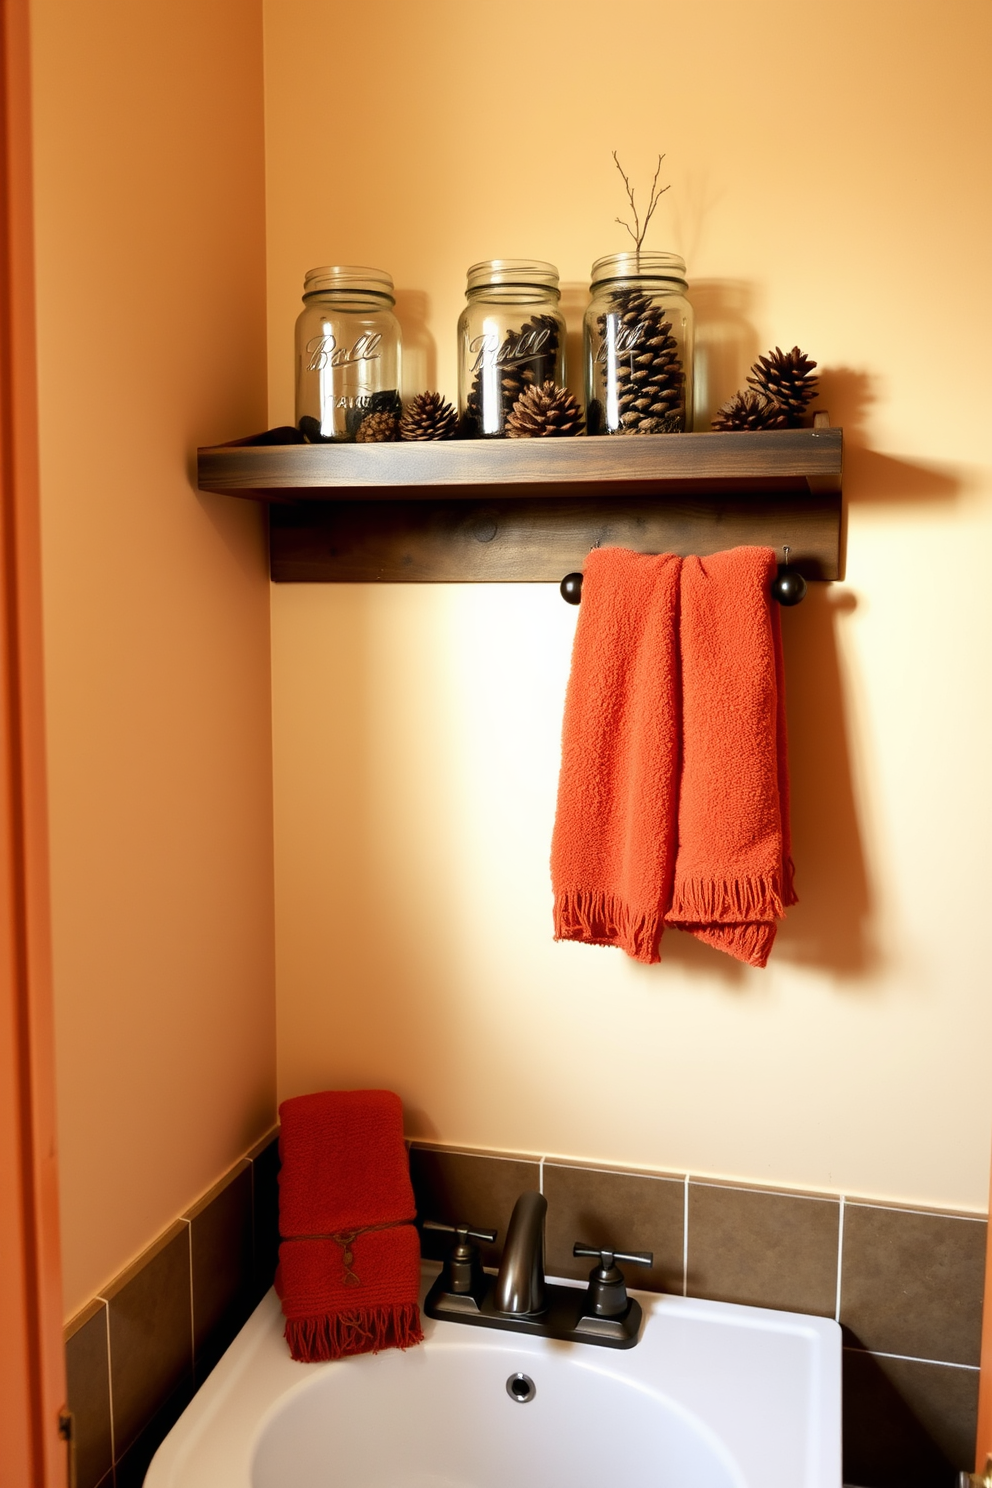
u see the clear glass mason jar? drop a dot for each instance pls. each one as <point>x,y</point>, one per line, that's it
<point>638,344</point>
<point>511,336</point>
<point>347,351</point>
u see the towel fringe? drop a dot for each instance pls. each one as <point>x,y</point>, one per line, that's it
<point>598,918</point>
<point>751,943</point>
<point>708,901</point>
<point>363,1330</point>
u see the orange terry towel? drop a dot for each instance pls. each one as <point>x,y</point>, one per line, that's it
<point>349,1261</point>
<point>673,795</point>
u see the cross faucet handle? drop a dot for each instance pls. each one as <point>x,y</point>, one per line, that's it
<point>608,1258</point>
<point>463,1279</point>
<point>462,1231</point>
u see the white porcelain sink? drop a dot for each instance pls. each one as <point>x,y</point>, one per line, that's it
<point>713,1396</point>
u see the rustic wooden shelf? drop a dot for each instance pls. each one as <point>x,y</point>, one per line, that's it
<point>530,510</point>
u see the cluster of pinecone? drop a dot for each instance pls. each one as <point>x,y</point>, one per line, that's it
<point>538,411</point>
<point>650,383</point>
<point>427,416</point>
<point>781,388</point>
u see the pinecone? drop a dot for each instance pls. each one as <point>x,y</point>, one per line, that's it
<point>650,384</point>
<point>542,411</point>
<point>516,376</point>
<point>671,424</point>
<point>428,416</point>
<point>786,378</point>
<point>386,400</point>
<point>750,410</point>
<point>378,428</point>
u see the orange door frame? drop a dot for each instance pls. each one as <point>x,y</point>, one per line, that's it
<point>32,1384</point>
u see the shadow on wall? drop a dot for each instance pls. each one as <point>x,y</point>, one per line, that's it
<point>848,394</point>
<point>830,927</point>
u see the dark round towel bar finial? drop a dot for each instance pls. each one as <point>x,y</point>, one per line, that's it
<point>571,588</point>
<point>788,585</point>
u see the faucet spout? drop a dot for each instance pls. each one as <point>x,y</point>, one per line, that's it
<point>520,1283</point>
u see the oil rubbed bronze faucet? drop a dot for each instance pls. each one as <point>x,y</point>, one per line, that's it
<point>520,1289</point>
<point>520,1299</point>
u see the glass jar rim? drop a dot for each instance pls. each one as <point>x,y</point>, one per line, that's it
<point>648,264</point>
<point>525,273</point>
<point>350,278</point>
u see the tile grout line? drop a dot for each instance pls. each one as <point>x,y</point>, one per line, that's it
<point>514,1157</point>
<point>771,1193</point>
<point>685,1236</point>
<point>192,1320</point>
<point>110,1391</point>
<point>577,1167</point>
<point>254,1225</point>
<point>924,1213</point>
<point>911,1358</point>
<point>840,1254</point>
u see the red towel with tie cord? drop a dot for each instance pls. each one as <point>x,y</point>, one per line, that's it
<point>673,794</point>
<point>349,1261</point>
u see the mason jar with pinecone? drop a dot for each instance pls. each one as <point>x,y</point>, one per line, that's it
<point>511,337</point>
<point>638,343</point>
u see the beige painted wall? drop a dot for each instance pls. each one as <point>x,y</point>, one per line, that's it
<point>828,167</point>
<point>150,227</point>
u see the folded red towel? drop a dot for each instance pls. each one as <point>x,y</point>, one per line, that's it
<point>349,1262</point>
<point>733,874</point>
<point>673,795</point>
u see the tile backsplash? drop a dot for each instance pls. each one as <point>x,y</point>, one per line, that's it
<point>137,1352</point>
<point>905,1284</point>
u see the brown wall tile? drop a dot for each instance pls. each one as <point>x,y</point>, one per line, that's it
<point>221,1249</point>
<point>265,1208</point>
<point>627,1210</point>
<point>907,1424</point>
<point>87,1367</point>
<point>911,1283</point>
<point>133,1464</point>
<point>470,1188</point>
<point>766,1249</point>
<point>151,1328</point>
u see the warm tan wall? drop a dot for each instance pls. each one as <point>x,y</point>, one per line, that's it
<point>827,166</point>
<point>151,337</point>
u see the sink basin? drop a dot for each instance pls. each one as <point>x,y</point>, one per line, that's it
<point>713,1396</point>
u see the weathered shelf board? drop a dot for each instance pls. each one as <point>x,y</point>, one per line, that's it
<point>801,460</point>
<point>529,511</point>
<point>528,540</point>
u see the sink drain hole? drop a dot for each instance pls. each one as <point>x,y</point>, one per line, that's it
<point>521,1388</point>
